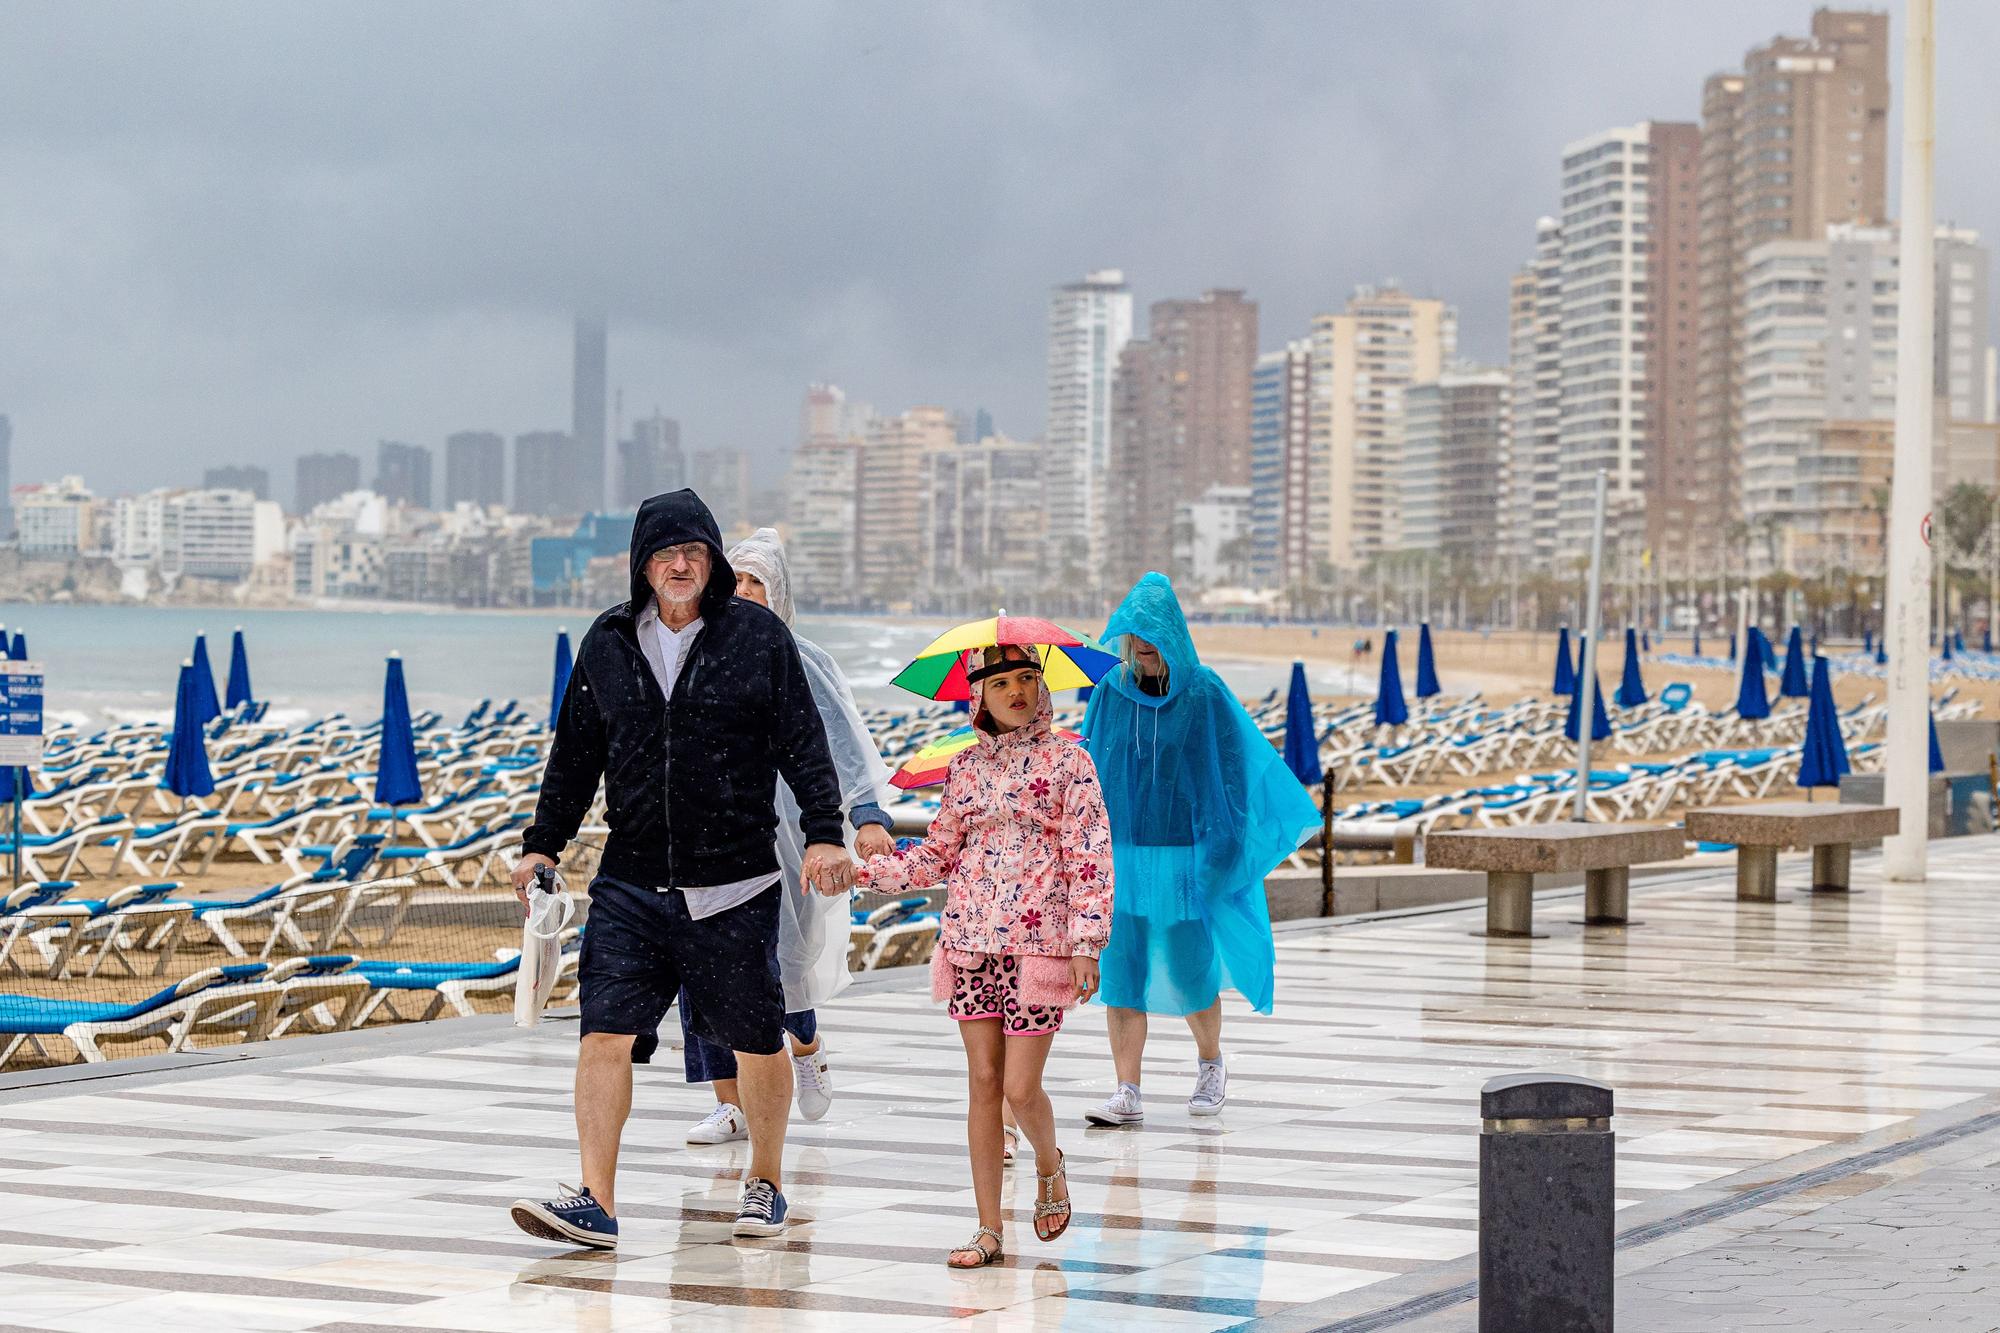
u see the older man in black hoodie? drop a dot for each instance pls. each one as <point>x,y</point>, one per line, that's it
<point>689,704</point>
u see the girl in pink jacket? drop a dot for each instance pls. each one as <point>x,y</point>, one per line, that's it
<point>1022,843</point>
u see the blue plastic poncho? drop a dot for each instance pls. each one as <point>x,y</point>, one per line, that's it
<point>1202,808</point>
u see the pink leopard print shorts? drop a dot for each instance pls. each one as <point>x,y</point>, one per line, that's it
<point>992,989</point>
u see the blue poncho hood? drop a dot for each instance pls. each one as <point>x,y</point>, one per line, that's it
<point>1188,768</point>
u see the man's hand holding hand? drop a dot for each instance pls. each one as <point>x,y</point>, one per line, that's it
<point>827,869</point>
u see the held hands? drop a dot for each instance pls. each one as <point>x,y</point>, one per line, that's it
<point>826,870</point>
<point>524,877</point>
<point>1083,975</point>
<point>872,841</point>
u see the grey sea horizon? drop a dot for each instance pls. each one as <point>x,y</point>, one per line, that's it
<point>119,663</point>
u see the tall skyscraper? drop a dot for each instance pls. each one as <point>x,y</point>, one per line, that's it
<point>1363,360</point>
<point>1454,437</point>
<point>543,473</point>
<point>1674,483</point>
<point>890,512</point>
<point>1534,452</point>
<point>247,477</point>
<point>1180,423</point>
<point>475,469</point>
<point>1089,324</point>
<point>650,461</point>
<point>403,473</point>
<point>1964,328</point>
<point>591,483</point>
<point>1793,142</point>
<point>822,498</point>
<point>318,478</point>
<point>721,477</point>
<point>1621,199</point>
<point>6,478</point>
<point>1280,467</point>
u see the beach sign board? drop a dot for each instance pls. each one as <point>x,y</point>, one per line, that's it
<point>20,714</point>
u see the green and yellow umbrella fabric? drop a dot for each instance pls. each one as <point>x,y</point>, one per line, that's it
<point>1070,661</point>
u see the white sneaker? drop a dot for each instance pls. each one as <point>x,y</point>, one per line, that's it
<point>725,1124</point>
<point>1211,1089</point>
<point>812,1082</point>
<point>1121,1108</point>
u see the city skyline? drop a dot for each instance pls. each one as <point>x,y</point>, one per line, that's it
<point>459,322</point>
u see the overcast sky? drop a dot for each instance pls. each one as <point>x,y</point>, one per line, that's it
<point>243,232</point>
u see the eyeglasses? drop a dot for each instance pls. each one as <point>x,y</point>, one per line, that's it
<point>689,552</point>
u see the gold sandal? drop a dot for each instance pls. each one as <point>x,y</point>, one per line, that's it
<point>1047,1205</point>
<point>986,1257</point>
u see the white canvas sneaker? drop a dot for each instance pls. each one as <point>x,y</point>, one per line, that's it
<point>1121,1108</point>
<point>812,1083</point>
<point>725,1124</point>
<point>1211,1089</point>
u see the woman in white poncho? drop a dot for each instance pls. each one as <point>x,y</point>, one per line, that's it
<point>812,939</point>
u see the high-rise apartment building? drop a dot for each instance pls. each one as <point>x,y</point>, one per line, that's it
<point>1455,431</point>
<point>1529,535</point>
<point>1964,325</point>
<point>318,478</point>
<point>589,485</point>
<point>1795,141</point>
<point>247,477</point>
<point>1180,423</point>
<point>544,467</point>
<point>721,477</point>
<point>1819,388</point>
<point>475,469</point>
<point>218,533</point>
<point>1089,324</point>
<point>650,461</point>
<point>1363,360</point>
<point>1280,467</point>
<point>822,498</point>
<point>984,521</point>
<point>403,473</point>
<point>1622,208</point>
<point>891,500</point>
<point>1671,304</point>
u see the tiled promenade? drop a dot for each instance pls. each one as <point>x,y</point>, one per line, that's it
<point>365,1187</point>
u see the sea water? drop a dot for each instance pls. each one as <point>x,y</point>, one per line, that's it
<point>120,663</point>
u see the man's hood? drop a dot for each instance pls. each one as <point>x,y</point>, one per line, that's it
<point>670,520</point>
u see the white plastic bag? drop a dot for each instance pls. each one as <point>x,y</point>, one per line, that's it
<point>550,910</point>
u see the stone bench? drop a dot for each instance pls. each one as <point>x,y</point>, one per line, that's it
<point>1512,857</point>
<point>1760,831</point>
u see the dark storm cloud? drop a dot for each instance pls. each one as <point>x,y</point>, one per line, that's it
<point>245,231</point>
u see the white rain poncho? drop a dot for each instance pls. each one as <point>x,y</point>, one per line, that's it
<point>812,935</point>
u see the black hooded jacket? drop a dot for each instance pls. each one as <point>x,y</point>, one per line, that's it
<point>691,782</point>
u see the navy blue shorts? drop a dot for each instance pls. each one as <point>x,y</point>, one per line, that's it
<point>707,1062</point>
<point>641,950</point>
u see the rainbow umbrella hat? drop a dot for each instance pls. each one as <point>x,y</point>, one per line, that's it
<point>1070,661</point>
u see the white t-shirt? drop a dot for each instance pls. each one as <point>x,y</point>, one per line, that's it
<point>666,652</point>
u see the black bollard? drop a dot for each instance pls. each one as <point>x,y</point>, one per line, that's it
<point>1546,1171</point>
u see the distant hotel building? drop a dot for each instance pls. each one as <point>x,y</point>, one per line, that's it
<point>322,477</point>
<point>650,461</point>
<point>1281,549</point>
<point>544,473</point>
<point>1089,324</point>
<point>475,469</point>
<point>403,474</point>
<point>1455,432</point>
<point>255,480</point>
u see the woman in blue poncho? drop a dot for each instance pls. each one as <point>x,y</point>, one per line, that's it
<point>1202,808</point>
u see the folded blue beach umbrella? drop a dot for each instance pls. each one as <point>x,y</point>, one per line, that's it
<point>1794,683</point>
<point>187,758</point>
<point>1824,758</point>
<point>238,692</point>
<point>560,685</point>
<point>1868,641</point>
<point>1751,701</point>
<point>1427,672</point>
<point>1732,646</point>
<point>1986,639</point>
<point>1631,686</point>
<point>396,770</point>
<point>1937,755</point>
<point>1600,721</point>
<point>1697,642</point>
<point>1565,681</point>
<point>207,706</point>
<point>1390,710</point>
<point>1301,736</point>
<point>1882,651</point>
<point>1947,647</point>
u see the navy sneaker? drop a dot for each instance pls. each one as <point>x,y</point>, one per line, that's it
<point>763,1210</point>
<point>576,1218</point>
